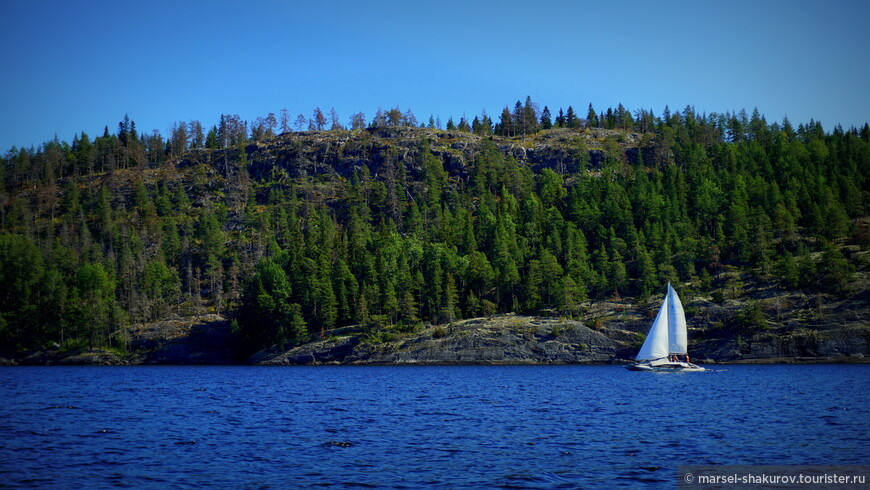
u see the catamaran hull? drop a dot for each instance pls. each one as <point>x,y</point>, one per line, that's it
<point>669,367</point>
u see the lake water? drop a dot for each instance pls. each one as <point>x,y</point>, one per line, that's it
<point>411,427</point>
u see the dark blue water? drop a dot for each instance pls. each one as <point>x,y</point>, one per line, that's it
<point>459,426</point>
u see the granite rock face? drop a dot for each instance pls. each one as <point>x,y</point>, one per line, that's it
<point>506,339</point>
<point>798,328</point>
<point>204,340</point>
<point>310,153</point>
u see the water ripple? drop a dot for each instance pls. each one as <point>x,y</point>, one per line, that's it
<point>448,427</point>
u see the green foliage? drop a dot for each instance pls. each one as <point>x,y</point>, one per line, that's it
<point>267,317</point>
<point>120,229</point>
<point>751,319</point>
<point>835,272</point>
<point>786,270</point>
<point>95,306</point>
<point>162,286</point>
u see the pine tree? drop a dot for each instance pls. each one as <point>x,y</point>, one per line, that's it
<point>506,125</point>
<point>449,306</point>
<point>530,117</point>
<point>318,120</point>
<point>571,120</point>
<point>560,119</point>
<point>546,119</point>
<point>647,282</point>
<point>533,280</point>
<point>786,270</point>
<point>390,302</point>
<point>592,117</point>
<point>551,278</point>
<point>835,272</point>
<point>518,119</point>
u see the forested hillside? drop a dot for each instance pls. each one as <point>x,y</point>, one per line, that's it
<point>390,222</point>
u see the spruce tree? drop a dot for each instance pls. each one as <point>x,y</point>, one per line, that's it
<point>546,119</point>
<point>592,117</point>
<point>571,120</point>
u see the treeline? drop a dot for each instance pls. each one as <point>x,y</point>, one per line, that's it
<point>100,236</point>
<point>128,148</point>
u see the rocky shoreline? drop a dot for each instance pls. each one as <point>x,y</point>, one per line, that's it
<point>791,327</point>
<point>502,339</point>
<point>514,339</point>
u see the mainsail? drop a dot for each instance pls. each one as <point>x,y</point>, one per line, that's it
<point>656,344</point>
<point>668,332</point>
<point>676,324</point>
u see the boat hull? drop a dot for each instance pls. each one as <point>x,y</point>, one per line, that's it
<point>665,367</point>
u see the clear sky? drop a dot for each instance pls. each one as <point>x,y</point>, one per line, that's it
<point>72,66</point>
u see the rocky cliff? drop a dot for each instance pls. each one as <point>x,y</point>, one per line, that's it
<point>801,329</point>
<point>304,154</point>
<point>499,340</point>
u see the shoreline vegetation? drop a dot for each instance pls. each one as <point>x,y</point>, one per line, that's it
<point>537,236</point>
<point>105,358</point>
<point>608,332</point>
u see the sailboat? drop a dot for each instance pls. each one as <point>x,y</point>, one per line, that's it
<point>665,346</point>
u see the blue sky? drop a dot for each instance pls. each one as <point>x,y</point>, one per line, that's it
<point>79,66</point>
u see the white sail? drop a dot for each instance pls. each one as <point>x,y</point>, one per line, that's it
<point>666,336</point>
<point>656,344</point>
<point>676,323</point>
